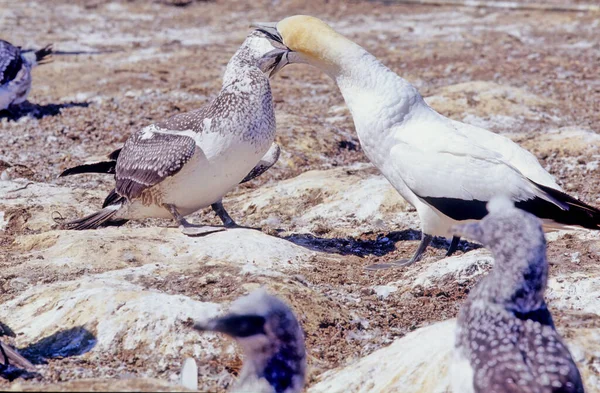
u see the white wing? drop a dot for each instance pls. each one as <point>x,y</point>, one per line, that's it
<point>441,164</point>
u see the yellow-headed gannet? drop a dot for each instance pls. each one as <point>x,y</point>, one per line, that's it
<point>272,341</point>
<point>506,340</point>
<point>189,161</point>
<point>446,169</point>
<point>15,72</point>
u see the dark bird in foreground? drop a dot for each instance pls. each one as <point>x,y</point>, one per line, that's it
<point>506,341</point>
<point>272,340</point>
<point>15,72</point>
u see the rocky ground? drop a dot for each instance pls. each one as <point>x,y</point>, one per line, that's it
<point>112,308</point>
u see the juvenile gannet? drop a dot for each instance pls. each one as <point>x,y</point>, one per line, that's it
<point>15,72</point>
<point>505,339</point>
<point>189,161</point>
<point>272,341</point>
<point>446,169</point>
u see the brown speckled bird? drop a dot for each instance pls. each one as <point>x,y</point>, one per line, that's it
<point>190,161</point>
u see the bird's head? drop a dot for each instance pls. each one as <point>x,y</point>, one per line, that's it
<point>271,337</point>
<point>305,39</point>
<point>507,231</point>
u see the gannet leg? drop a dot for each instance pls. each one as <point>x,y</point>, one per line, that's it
<point>191,229</point>
<point>223,215</point>
<point>425,240</point>
<point>453,245</point>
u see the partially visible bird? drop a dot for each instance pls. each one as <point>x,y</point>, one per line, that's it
<point>189,161</point>
<point>506,341</point>
<point>9,356</point>
<point>272,341</point>
<point>15,72</point>
<point>446,169</point>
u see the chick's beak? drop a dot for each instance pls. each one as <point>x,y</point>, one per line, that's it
<point>238,326</point>
<point>278,58</point>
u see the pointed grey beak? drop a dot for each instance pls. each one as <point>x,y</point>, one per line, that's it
<point>471,231</point>
<point>269,29</point>
<point>276,59</point>
<point>234,325</point>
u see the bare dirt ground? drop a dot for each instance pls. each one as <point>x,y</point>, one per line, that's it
<point>122,66</point>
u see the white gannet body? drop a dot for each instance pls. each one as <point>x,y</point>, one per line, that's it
<point>272,341</point>
<point>15,72</point>
<point>446,169</point>
<point>189,161</point>
<point>505,338</point>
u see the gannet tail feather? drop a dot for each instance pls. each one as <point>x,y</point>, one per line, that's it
<point>576,212</point>
<point>97,167</point>
<point>102,218</point>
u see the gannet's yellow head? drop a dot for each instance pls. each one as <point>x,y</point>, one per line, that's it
<point>306,39</point>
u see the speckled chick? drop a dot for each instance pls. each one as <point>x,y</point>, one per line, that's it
<point>506,340</point>
<point>190,161</point>
<point>272,341</point>
<point>15,72</point>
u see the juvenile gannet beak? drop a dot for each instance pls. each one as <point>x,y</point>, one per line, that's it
<point>237,326</point>
<point>278,58</point>
<point>471,231</point>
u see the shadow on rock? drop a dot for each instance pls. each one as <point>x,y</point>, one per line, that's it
<point>14,113</point>
<point>363,246</point>
<point>65,343</point>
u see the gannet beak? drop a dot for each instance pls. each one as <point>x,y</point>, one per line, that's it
<point>237,326</point>
<point>278,58</point>
<point>269,29</point>
<point>471,231</point>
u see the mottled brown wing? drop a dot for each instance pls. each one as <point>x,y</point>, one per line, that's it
<point>10,62</point>
<point>147,158</point>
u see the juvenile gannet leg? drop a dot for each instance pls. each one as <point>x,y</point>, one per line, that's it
<point>453,245</point>
<point>228,222</point>
<point>223,215</point>
<point>191,229</point>
<point>425,240</point>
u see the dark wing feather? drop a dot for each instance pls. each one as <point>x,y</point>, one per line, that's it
<point>145,162</point>
<point>10,62</point>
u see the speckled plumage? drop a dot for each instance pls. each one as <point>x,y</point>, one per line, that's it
<point>506,340</point>
<point>190,160</point>
<point>15,72</point>
<point>272,340</point>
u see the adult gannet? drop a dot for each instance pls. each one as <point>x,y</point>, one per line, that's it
<point>15,72</point>
<point>272,341</point>
<point>505,338</point>
<point>446,169</point>
<point>189,161</point>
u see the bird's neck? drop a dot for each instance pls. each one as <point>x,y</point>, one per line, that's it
<point>379,100</point>
<point>519,284</point>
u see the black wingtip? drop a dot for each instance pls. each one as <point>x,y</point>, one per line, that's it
<point>107,167</point>
<point>578,213</point>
